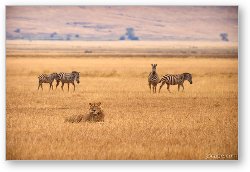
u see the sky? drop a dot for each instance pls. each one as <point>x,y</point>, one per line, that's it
<point>110,23</point>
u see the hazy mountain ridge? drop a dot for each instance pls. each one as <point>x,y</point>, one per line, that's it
<point>110,23</point>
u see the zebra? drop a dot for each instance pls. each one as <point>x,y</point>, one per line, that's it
<point>175,79</point>
<point>44,78</point>
<point>153,78</point>
<point>68,78</point>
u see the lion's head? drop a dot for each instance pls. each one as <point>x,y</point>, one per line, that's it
<point>95,112</point>
<point>95,108</point>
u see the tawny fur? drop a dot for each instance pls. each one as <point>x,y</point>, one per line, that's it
<point>95,115</point>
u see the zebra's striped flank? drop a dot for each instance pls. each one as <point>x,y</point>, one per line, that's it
<point>153,78</point>
<point>68,78</point>
<point>44,78</point>
<point>179,79</point>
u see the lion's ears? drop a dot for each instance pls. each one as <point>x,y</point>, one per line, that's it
<point>98,104</point>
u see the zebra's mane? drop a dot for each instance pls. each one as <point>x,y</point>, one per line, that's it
<point>187,74</point>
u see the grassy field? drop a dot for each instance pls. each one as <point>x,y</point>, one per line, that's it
<point>199,123</point>
<point>59,49</point>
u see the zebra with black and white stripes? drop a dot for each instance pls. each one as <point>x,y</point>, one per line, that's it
<point>68,78</point>
<point>44,78</point>
<point>175,80</point>
<point>153,78</point>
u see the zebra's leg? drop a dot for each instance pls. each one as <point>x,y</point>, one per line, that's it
<point>182,87</point>
<point>149,86</point>
<point>57,83</point>
<point>49,86</point>
<point>73,85</point>
<point>161,86</point>
<point>155,89</point>
<point>52,85</point>
<point>62,85</point>
<point>68,87</point>
<point>38,86</point>
<point>168,88</point>
<point>179,87</point>
<point>42,86</point>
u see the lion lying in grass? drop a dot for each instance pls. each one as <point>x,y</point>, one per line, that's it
<point>95,115</point>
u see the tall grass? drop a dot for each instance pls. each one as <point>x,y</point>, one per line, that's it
<point>193,124</point>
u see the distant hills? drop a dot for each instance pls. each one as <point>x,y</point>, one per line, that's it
<point>122,23</point>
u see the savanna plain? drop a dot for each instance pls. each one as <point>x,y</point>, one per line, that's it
<point>200,122</point>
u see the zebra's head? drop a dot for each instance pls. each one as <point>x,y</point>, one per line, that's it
<point>77,76</point>
<point>59,76</point>
<point>188,76</point>
<point>153,68</point>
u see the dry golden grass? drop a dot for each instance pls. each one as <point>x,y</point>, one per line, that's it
<point>193,124</point>
<point>59,49</point>
<point>95,114</point>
